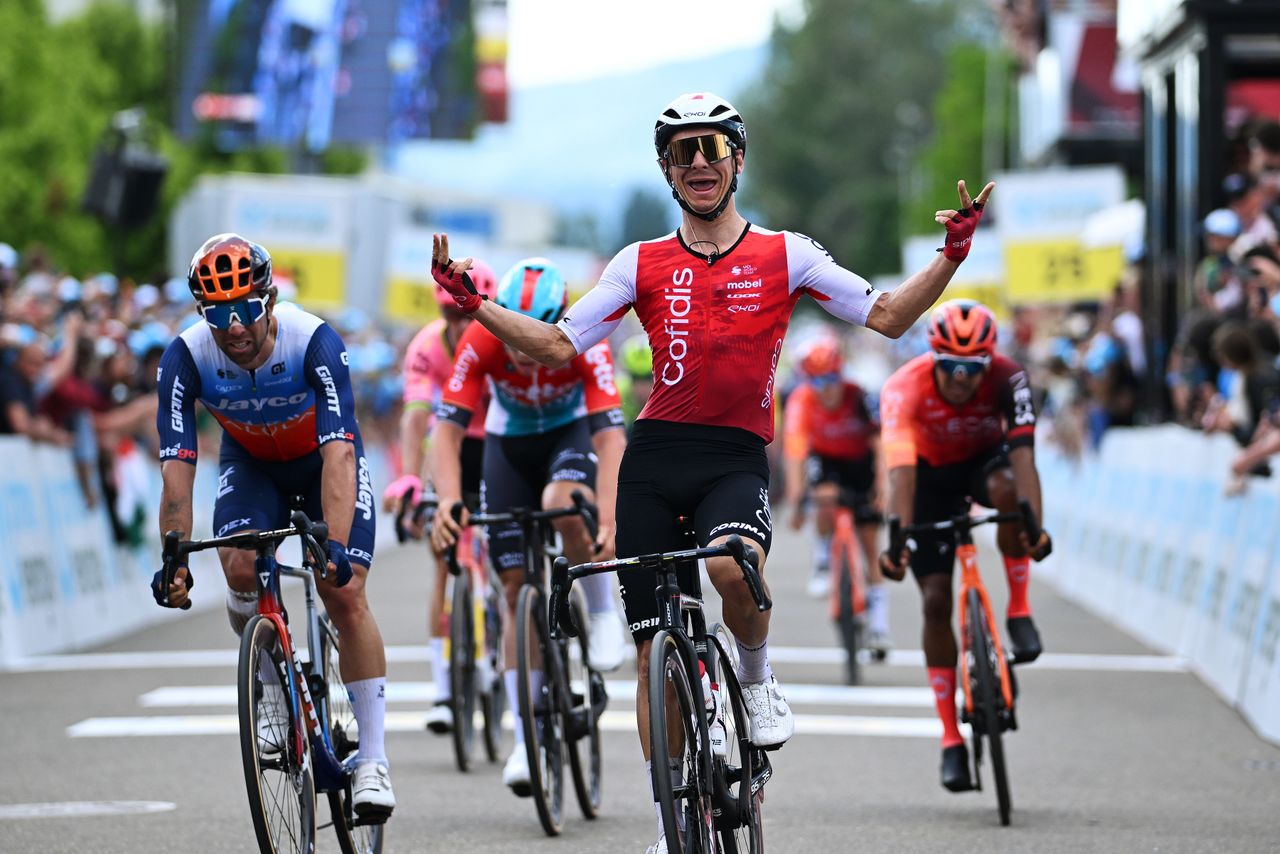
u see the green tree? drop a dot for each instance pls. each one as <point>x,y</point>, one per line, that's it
<point>647,216</point>
<point>840,114</point>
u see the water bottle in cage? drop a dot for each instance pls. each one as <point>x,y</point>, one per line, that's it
<point>715,713</point>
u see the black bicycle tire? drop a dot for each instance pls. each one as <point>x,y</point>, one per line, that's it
<point>493,697</point>
<point>546,780</point>
<point>987,701</point>
<point>848,626</point>
<point>364,838</point>
<point>588,776</point>
<point>462,672</point>
<point>753,805</point>
<point>260,636</point>
<point>666,658</point>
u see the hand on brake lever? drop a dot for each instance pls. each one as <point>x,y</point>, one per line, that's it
<point>183,581</point>
<point>339,564</point>
<point>895,570</point>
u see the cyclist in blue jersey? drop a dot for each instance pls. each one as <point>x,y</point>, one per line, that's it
<point>276,379</point>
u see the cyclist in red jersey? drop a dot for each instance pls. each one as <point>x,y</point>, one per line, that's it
<point>959,423</point>
<point>428,362</point>
<point>714,297</point>
<point>830,445</point>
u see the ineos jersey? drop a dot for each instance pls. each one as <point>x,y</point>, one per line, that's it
<point>716,329</point>
<point>916,423</point>
<point>296,402</point>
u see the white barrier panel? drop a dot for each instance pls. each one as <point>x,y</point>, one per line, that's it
<point>1148,539</point>
<point>65,583</point>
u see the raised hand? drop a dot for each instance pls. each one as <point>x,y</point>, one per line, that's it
<point>960,224</point>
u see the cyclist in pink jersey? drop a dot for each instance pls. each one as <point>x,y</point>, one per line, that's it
<point>714,297</point>
<point>428,363</point>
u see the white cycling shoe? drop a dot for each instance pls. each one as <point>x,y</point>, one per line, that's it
<point>273,720</point>
<point>771,720</point>
<point>659,847</point>
<point>515,774</point>
<point>440,718</point>
<point>371,794</point>
<point>819,584</point>
<point>606,646</point>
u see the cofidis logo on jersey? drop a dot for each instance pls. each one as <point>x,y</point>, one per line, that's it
<point>679,299</point>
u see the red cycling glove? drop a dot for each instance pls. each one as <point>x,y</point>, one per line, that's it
<point>459,287</point>
<point>960,230</point>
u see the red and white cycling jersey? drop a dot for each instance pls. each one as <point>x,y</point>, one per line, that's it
<point>842,433</point>
<point>428,364</point>
<point>716,329</point>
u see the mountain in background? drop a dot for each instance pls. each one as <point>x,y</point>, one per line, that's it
<point>582,147</point>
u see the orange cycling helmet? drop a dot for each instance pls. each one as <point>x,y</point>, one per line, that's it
<point>962,327</point>
<point>227,268</point>
<point>822,359</point>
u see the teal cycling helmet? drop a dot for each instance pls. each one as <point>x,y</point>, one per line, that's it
<point>535,288</point>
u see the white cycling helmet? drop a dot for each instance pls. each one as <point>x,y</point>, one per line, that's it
<point>699,109</point>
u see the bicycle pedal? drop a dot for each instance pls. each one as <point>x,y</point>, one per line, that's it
<point>370,815</point>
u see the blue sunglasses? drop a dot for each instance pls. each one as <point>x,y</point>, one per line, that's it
<point>823,380</point>
<point>961,367</point>
<point>220,315</point>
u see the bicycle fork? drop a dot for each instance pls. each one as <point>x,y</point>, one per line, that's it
<point>968,555</point>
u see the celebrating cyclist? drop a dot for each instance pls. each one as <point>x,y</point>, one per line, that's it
<point>959,423</point>
<point>428,363</point>
<point>276,379</point>
<point>830,444</point>
<point>549,432</point>
<point>715,298</point>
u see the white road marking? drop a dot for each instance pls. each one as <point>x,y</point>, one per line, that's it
<point>623,690</point>
<point>181,660</point>
<point>81,809</point>
<point>610,721</point>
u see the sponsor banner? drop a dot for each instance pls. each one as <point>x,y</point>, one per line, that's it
<point>1060,270</point>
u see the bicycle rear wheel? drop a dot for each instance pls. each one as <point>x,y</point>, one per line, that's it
<point>277,760</point>
<point>540,711</point>
<point>493,696</point>
<point>586,687</point>
<point>743,768</point>
<point>678,735</point>
<point>987,700</point>
<point>344,736</point>
<point>462,671</point>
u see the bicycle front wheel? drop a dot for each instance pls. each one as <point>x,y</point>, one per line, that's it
<point>540,711</point>
<point>462,671</point>
<point>844,587</point>
<point>274,746</point>
<point>587,690</point>
<point>743,767</point>
<point>984,666</point>
<point>344,738</point>
<point>679,745</point>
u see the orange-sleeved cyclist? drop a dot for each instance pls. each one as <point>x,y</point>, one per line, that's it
<point>830,444</point>
<point>959,423</point>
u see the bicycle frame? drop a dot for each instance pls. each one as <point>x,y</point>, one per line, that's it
<point>844,536</point>
<point>971,579</point>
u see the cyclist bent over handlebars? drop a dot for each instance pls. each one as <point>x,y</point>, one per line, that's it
<point>715,298</point>
<point>276,379</point>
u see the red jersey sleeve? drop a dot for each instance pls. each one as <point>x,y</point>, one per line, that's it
<point>1015,402</point>
<point>472,363</point>
<point>596,368</point>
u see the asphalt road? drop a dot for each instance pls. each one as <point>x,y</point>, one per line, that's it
<point>1119,750</point>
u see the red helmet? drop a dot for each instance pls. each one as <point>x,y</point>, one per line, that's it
<point>482,277</point>
<point>227,268</point>
<point>823,358</point>
<point>962,327</point>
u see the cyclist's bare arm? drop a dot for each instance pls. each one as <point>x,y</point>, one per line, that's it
<point>608,445</point>
<point>895,312</point>
<point>1026,479</point>
<point>413,440</point>
<point>900,503</point>
<point>446,468</point>
<point>179,480</point>
<point>338,487</point>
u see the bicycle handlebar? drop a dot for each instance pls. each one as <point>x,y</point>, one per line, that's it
<point>313,535</point>
<point>562,577</point>
<point>417,513</point>
<point>898,533</point>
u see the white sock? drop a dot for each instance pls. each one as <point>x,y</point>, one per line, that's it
<point>369,704</point>
<point>676,770</point>
<point>753,664</point>
<point>240,609</point>
<point>878,608</point>
<point>440,669</point>
<point>512,679</point>
<point>599,593</point>
<point>822,553</point>
<point>657,807</point>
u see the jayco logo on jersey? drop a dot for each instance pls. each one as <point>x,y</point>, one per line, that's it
<point>330,389</point>
<point>257,404</point>
<point>602,368</point>
<point>364,489</point>
<point>466,361</point>
<point>175,405</point>
<point>679,299</point>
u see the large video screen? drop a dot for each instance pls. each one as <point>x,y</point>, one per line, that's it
<point>311,72</point>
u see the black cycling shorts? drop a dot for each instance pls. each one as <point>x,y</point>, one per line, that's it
<point>716,477</point>
<point>942,492</point>
<point>855,478</point>
<point>472,459</point>
<point>518,468</point>
<point>254,495</point>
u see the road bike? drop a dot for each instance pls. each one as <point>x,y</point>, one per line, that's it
<point>716,807</point>
<point>561,718</point>
<point>985,674</point>
<point>474,613</point>
<point>312,747</point>
<point>847,592</point>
